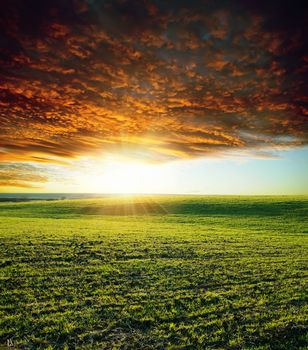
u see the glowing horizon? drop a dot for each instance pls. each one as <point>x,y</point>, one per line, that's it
<point>281,175</point>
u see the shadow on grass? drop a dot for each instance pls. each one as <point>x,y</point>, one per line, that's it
<point>160,205</point>
<point>199,207</point>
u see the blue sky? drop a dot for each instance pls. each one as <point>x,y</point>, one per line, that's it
<point>287,174</point>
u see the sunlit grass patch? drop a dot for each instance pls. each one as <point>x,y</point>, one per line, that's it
<point>205,273</point>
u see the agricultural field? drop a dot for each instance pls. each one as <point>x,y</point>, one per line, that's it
<point>180,272</point>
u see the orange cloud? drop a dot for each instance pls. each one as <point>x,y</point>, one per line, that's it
<point>21,175</point>
<point>176,81</point>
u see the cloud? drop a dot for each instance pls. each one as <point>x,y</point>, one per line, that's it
<point>168,79</point>
<point>21,175</point>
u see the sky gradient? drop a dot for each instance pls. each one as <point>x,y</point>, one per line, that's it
<point>210,94</point>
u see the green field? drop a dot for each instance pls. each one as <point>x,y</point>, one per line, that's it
<point>181,272</point>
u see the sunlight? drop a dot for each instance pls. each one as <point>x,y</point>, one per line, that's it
<point>121,176</point>
<point>126,177</point>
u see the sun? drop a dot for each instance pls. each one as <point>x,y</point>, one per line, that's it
<point>129,177</point>
<point>125,177</point>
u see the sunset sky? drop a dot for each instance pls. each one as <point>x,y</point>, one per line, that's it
<point>153,96</point>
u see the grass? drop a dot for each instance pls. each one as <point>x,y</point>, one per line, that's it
<point>155,273</point>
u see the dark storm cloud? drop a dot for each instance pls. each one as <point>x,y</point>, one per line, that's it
<point>177,79</point>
